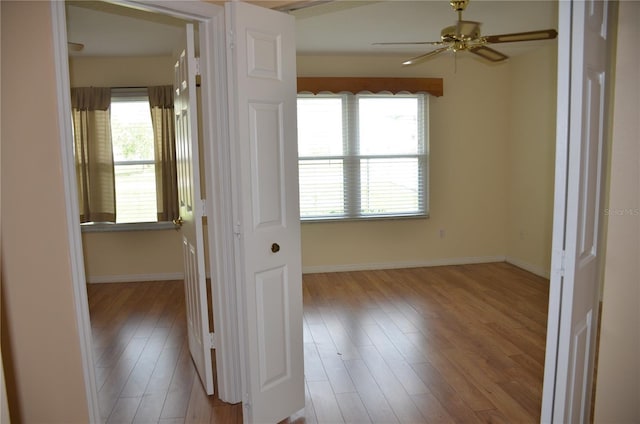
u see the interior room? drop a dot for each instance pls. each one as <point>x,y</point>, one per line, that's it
<point>491,140</point>
<point>491,180</point>
<point>368,357</point>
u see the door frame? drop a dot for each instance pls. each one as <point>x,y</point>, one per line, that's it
<point>211,20</point>
<point>218,177</point>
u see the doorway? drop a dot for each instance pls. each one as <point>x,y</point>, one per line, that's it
<point>211,21</point>
<point>132,248</point>
<point>137,251</point>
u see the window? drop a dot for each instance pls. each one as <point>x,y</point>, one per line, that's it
<point>362,156</point>
<point>133,158</point>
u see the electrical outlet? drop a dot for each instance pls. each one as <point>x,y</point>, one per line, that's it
<point>442,234</point>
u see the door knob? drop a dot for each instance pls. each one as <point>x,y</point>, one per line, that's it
<point>178,222</point>
<point>275,247</point>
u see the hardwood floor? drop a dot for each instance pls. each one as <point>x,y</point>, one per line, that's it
<point>456,344</point>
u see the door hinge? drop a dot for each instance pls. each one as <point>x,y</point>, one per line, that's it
<point>237,229</point>
<point>212,340</point>
<point>245,401</point>
<point>196,63</point>
<point>203,207</point>
<point>560,261</point>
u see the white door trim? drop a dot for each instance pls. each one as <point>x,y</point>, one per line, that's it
<point>76,258</point>
<point>559,209</point>
<point>218,181</point>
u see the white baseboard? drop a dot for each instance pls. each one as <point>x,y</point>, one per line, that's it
<point>129,278</point>
<point>534,269</point>
<point>396,265</point>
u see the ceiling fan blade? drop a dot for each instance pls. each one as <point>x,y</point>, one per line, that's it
<point>304,9</point>
<point>488,53</point>
<point>467,29</point>
<point>397,43</point>
<point>543,34</point>
<point>75,47</point>
<point>425,56</point>
<point>299,5</point>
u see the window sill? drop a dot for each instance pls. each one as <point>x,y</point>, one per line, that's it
<point>106,227</point>
<point>362,218</point>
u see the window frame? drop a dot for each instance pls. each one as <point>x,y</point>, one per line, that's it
<point>127,95</point>
<point>118,95</point>
<point>352,159</point>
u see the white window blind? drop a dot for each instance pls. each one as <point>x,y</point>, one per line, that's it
<point>362,156</point>
<point>133,155</point>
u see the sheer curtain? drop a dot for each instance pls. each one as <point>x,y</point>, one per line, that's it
<point>93,153</point>
<point>162,117</point>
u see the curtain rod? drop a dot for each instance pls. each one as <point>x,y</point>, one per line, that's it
<point>129,88</point>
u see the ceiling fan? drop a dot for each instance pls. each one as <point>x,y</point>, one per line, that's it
<point>75,47</point>
<point>465,36</point>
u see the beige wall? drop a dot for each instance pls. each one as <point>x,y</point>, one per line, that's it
<point>120,71</point>
<point>531,154</point>
<point>472,189</point>
<point>131,255</point>
<point>618,382</point>
<point>40,342</point>
<point>491,177</point>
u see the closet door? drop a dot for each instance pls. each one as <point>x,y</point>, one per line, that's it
<point>262,85</point>
<point>583,80</point>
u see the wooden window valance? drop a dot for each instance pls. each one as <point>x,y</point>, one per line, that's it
<point>316,85</point>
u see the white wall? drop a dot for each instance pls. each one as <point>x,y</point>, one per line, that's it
<point>618,379</point>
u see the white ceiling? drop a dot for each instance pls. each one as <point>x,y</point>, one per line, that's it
<point>338,27</point>
<point>109,30</point>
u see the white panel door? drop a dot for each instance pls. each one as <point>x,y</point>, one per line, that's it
<point>191,211</point>
<point>263,84</point>
<point>580,180</point>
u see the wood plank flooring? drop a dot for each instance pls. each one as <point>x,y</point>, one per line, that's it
<point>456,344</point>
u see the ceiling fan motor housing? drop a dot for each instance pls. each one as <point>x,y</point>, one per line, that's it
<point>460,32</point>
